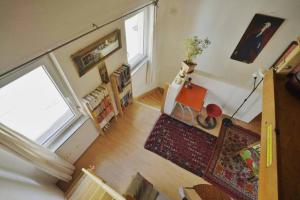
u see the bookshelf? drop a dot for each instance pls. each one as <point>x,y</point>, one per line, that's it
<point>122,87</point>
<point>99,106</point>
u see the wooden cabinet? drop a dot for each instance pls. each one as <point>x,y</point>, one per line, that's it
<point>91,187</point>
<point>268,180</point>
<point>288,140</point>
<point>279,175</point>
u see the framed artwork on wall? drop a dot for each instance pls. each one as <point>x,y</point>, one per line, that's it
<point>103,72</point>
<point>86,58</point>
<point>286,52</point>
<point>256,36</point>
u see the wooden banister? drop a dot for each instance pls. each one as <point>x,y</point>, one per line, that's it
<point>90,187</point>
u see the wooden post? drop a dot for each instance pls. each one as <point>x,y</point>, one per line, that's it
<point>165,88</point>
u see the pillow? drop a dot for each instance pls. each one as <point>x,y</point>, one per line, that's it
<point>141,189</point>
<point>251,156</point>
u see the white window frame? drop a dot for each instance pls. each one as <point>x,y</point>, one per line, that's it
<point>62,88</point>
<point>139,59</point>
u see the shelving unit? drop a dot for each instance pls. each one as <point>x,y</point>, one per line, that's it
<point>122,88</point>
<point>99,106</point>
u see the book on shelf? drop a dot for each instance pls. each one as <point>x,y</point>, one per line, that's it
<point>126,100</point>
<point>95,97</point>
<point>122,77</point>
<point>99,105</point>
<point>122,87</point>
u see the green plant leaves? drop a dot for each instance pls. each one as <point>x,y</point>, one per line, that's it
<point>195,46</point>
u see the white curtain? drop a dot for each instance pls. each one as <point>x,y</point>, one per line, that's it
<point>38,155</point>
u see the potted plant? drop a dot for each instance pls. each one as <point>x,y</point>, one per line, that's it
<point>194,47</point>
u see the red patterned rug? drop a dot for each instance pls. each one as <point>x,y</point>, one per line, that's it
<point>184,145</point>
<point>227,171</point>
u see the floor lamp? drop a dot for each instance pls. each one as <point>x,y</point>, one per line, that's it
<point>228,121</point>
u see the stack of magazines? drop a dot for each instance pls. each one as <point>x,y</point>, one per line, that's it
<point>93,99</point>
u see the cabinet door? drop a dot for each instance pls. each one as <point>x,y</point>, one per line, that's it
<point>268,178</point>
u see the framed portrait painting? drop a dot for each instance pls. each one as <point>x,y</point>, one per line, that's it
<point>86,58</point>
<point>257,35</point>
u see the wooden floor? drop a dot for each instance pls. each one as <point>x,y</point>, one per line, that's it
<point>120,154</point>
<point>153,98</point>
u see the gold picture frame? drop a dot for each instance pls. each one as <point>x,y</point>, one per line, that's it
<point>88,57</point>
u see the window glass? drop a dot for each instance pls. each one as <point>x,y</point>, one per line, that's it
<point>134,27</point>
<point>33,106</point>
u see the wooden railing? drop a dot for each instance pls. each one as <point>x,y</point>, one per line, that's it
<point>90,187</point>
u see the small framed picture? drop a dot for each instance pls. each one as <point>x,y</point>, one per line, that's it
<point>86,58</point>
<point>103,72</point>
<point>285,54</point>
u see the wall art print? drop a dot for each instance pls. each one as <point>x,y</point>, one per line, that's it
<point>257,35</point>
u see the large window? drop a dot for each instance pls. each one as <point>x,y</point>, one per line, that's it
<point>33,105</point>
<point>136,28</point>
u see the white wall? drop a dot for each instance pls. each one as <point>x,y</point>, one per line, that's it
<point>31,27</point>
<point>141,81</point>
<point>91,80</point>
<point>229,97</point>
<point>224,23</point>
<point>20,180</point>
<point>77,144</point>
